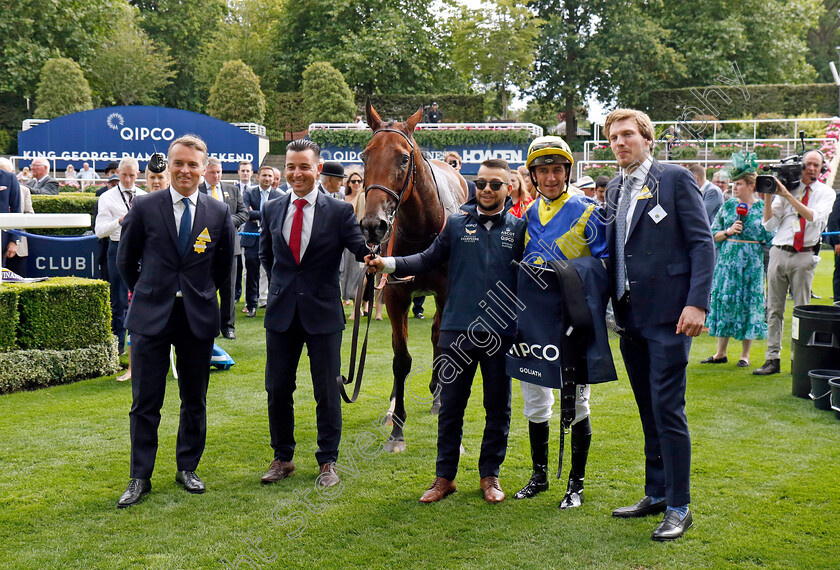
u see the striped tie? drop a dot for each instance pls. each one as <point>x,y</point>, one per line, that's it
<point>621,237</point>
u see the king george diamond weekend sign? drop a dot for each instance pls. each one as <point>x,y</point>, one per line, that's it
<point>112,133</point>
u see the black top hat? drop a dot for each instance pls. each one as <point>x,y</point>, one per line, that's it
<point>112,166</point>
<point>333,168</point>
<point>157,163</point>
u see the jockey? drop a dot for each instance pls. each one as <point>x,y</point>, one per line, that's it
<point>560,225</point>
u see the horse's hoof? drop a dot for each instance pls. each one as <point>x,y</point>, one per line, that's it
<point>395,445</point>
<point>389,420</point>
<point>435,409</point>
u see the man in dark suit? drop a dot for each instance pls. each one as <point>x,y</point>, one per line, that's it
<point>230,195</point>
<point>301,245</point>
<point>245,171</point>
<point>9,204</point>
<point>662,257</point>
<point>42,182</point>
<point>254,200</point>
<point>185,242</point>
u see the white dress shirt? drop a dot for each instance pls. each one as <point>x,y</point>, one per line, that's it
<point>308,215</point>
<point>637,178</point>
<point>113,205</point>
<point>785,218</point>
<point>179,207</point>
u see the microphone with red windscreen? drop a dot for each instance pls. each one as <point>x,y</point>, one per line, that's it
<point>742,210</point>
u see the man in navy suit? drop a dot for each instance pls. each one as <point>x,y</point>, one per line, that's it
<point>9,204</point>
<point>662,257</point>
<point>303,238</point>
<point>185,242</point>
<point>254,199</point>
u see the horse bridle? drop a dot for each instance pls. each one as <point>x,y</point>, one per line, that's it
<point>408,179</point>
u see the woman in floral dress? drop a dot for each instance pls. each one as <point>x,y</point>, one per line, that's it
<point>737,303</point>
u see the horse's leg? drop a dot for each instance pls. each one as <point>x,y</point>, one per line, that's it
<point>434,385</point>
<point>397,302</point>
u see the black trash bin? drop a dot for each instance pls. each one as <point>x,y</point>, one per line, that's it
<point>815,331</point>
<point>820,390</point>
<point>834,384</point>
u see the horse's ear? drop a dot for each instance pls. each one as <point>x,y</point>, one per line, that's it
<point>374,121</point>
<point>413,120</point>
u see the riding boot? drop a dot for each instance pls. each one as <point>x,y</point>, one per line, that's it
<point>539,457</point>
<point>581,440</point>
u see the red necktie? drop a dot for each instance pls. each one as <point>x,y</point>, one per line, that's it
<point>297,226</point>
<point>799,237</point>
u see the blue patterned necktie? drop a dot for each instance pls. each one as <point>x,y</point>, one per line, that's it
<point>621,237</point>
<point>184,229</point>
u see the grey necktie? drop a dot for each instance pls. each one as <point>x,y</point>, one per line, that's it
<point>621,237</point>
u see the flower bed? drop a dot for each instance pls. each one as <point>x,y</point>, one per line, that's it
<point>768,151</point>
<point>725,150</point>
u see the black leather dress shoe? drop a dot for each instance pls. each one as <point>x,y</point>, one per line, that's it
<point>643,508</point>
<point>772,366</point>
<point>251,312</point>
<point>136,489</point>
<point>672,527</point>
<point>190,481</point>
<point>229,334</point>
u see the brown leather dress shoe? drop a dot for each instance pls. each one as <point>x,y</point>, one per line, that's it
<point>492,491</point>
<point>327,475</point>
<point>439,489</point>
<point>278,470</point>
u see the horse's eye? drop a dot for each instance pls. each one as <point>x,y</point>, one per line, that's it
<point>405,158</point>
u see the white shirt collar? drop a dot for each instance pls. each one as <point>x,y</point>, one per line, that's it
<point>177,197</point>
<point>310,198</point>
<point>642,171</point>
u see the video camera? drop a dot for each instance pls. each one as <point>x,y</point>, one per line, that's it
<point>788,172</point>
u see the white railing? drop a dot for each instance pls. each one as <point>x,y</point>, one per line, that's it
<point>535,130</point>
<point>252,128</point>
<point>29,123</point>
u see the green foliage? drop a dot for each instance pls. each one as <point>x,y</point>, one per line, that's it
<point>8,144</point>
<point>63,313</point>
<point>603,152</point>
<point>771,130</point>
<point>130,68</point>
<point>685,151</point>
<point>456,107</point>
<point>597,170</point>
<point>185,27</point>
<point>326,96</point>
<point>9,317</point>
<point>62,90</point>
<point>724,151</point>
<point>767,151</point>
<point>236,96</point>
<point>823,38</point>
<point>282,114</point>
<point>784,100</point>
<point>64,203</point>
<point>494,45</point>
<point>426,138</point>
<point>29,369</point>
<point>542,114</point>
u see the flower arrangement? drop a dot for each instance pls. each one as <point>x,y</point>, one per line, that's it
<point>686,151</point>
<point>602,152</point>
<point>595,170</point>
<point>725,150</point>
<point>767,151</point>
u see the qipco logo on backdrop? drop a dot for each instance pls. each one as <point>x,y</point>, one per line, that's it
<point>117,122</point>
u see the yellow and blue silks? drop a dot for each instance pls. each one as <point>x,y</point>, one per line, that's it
<point>568,227</point>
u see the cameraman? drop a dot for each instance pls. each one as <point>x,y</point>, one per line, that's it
<point>798,219</point>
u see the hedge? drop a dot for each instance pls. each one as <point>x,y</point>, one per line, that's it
<point>55,331</point>
<point>785,100</point>
<point>64,203</point>
<point>428,138</point>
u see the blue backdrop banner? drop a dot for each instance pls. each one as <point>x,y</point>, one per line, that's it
<point>111,133</point>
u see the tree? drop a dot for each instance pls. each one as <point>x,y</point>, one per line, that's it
<point>823,39</point>
<point>129,68</point>
<point>380,46</point>
<point>184,26</point>
<point>326,96</point>
<point>236,96</point>
<point>494,45</point>
<point>63,89</point>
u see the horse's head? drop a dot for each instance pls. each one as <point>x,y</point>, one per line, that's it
<point>390,174</point>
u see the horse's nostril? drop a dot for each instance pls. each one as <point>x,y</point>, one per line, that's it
<point>383,228</point>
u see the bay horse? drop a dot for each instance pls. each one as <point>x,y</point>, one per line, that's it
<point>408,199</point>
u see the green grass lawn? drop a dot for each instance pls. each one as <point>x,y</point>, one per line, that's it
<point>764,478</point>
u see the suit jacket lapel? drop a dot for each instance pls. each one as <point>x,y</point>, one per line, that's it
<point>199,220</point>
<point>317,222</point>
<point>167,212</point>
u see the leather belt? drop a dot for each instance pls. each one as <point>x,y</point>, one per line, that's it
<point>791,249</point>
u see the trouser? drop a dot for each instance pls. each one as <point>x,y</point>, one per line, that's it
<point>794,271</point>
<point>149,368</point>
<point>227,310</point>
<point>119,295</point>
<point>240,266</point>
<point>102,258</point>
<point>453,402</point>
<point>263,294</point>
<point>836,281</point>
<point>283,354</point>
<point>539,400</point>
<point>252,276</point>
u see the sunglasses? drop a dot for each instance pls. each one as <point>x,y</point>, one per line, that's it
<point>495,185</point>
<point>355,182</point>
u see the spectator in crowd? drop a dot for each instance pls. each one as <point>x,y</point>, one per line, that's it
<point>670,138</point>
<point>255,198</point>
<point>352,270</point>
<point>798,218</point>
<point>737,305</point>
<point>529,184</point>
<point>185,242</point>
<point>712,195</point>
<point>112,208</point>
<point>601,189</point>
<point>86,174</point>
<point>586,185</point>
<point>70,173</point>
<point>721,180</point>
<point>435,115</point>
<point>332,174</point>
<point>278,177</point>
<point>9,204</point>
<point>518,194</point>
<point>229,194</point>
<point>657,223</point>
<point>111,180</point>
<point>24,176</point>
<point>304,235</point>
<point>834,241</point>
<point>245,171</point>
<point>453,159</point>
<point>17,262</point>
<point>42,182</point>
<point>471,262</point>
